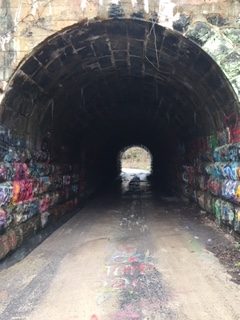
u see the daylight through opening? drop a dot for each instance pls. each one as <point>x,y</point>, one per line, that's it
<point>136,157</point>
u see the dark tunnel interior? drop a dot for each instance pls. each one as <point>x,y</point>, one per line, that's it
<point>93,89</point>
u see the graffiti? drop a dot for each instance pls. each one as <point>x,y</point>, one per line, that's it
<point>44,218</point>
<point>227,214</point>
<point>74,188</point>
<point>3,219</point>
<point>4,172</point>
<point>24,211</point>
<point>235,134</point>
<point>139,284</point>
<point>11,156</point>
<point>237,219</point>
<point>224,170</point>
<point>41,169</point>
<point>44,203</point>
<point>5,193</point>
<point>54,198</point>
<point>128,313</point>
<point>227,153</point>
<point>217,187</point>
<point>188,175</point>
<point>22,191</point>
<point>44,184</point>
<point>132,276</point>
<point>56,182</point>
<point>31,188</point>
<point>21,171</point>
<point>41,156</point>
<point>66,180</point>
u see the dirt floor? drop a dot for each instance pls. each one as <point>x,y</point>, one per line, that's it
<point>127,255</point>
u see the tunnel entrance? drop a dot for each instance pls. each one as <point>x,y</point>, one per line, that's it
<point>91,89</point>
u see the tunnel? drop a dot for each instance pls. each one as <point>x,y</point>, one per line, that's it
<point>97,87</point>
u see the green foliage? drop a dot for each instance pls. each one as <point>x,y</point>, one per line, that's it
<point>136,157</point>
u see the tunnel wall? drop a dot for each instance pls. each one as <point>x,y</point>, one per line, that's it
<point>211,176</point>
<point>212,24</point>
<point>33,190</point>
<point>38,188</point>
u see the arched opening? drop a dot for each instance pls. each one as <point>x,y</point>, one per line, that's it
<point>136,157</point>
<point>88,91</point>
<point>135,164</point>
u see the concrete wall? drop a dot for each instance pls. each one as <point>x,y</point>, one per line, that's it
<point>213,24</point>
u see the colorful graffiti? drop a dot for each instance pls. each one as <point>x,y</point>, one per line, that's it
<point>139,285</point>
<point>132,278</point>
<point>31,186</point>
<point>214,178</point>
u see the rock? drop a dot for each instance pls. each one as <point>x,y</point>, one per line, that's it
<point>233,34</point>
<point>182,23</point>
<point>231,64</point>
<point>139,14</point>
<point>115,11</point>
<point>236,85</point>
<point>199,32</point>
<point>218,47</point>
<point>216,19</point>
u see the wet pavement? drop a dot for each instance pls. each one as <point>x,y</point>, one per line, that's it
<point>126,256</point>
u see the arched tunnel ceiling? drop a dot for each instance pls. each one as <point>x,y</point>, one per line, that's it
<point>120,77</point>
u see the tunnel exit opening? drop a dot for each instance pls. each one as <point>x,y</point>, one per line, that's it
<point>136,158</point>
<point>135,166</point>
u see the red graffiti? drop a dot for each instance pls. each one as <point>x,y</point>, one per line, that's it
<point>235,135</point>
<point>44,203</point>
<point>139,267</point>
<point>22,190</point>
<point>127,313</point>
<point>120,283</point>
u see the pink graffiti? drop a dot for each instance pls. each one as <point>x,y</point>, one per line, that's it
<point>94,317</point>
<point>127,313</point>
<point>140,267</point>
<point>44,203</point>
